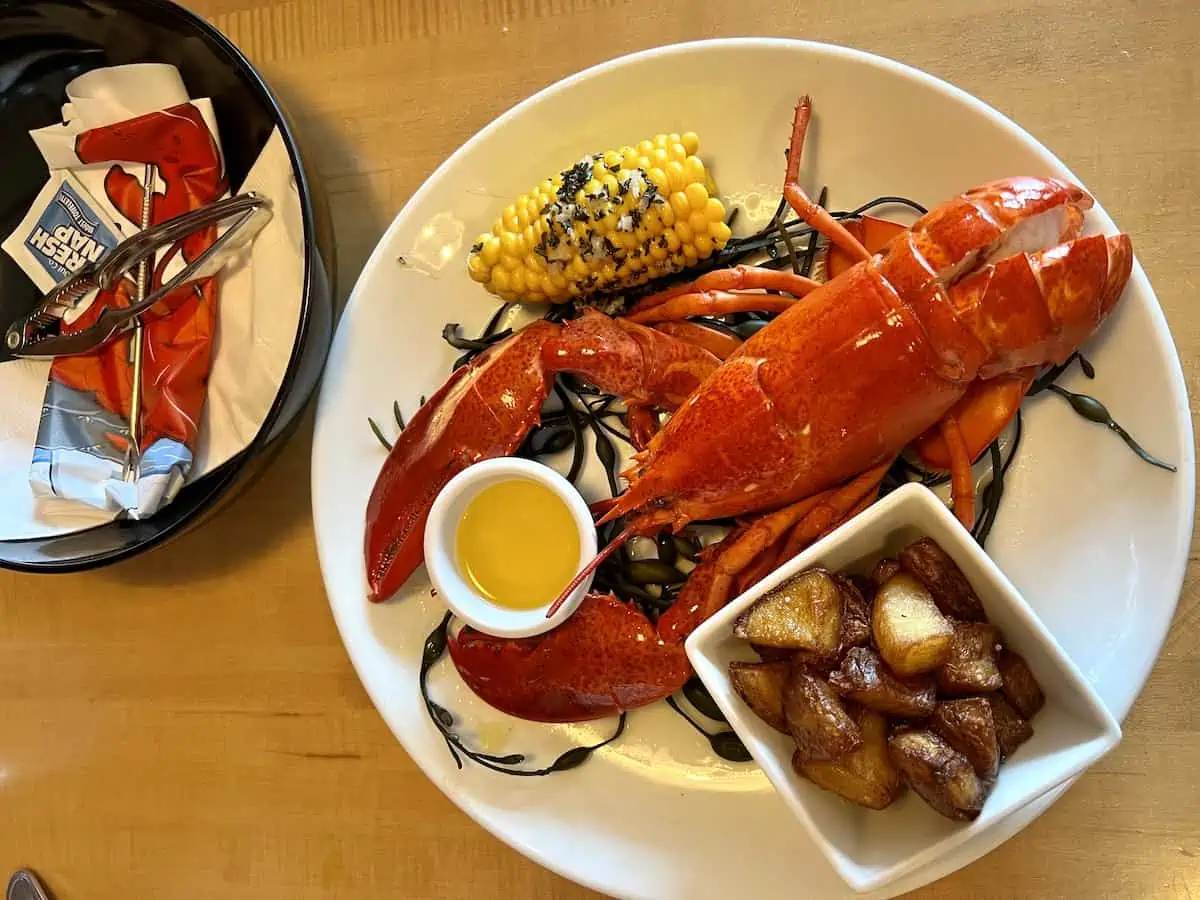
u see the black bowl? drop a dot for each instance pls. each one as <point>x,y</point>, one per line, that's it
<point>43,45</point>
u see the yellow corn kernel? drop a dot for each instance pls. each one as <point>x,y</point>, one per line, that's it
<point>659,178</point>
<point>704,245</point>
<point>623,271</point>
<point>660,158</point>
<point>673,242</point>
<point>697,196</point>
<point>516,280</point>
<point>610,183</point>
<point>693,169</point>
<point>557,281</point>
<point>645,148</point>
<point>720,233</point>
<point>690,254</point>
<point>661,140</point>
<point>667,214</point>
<point>510,261</point>
<point>683,231</point>
<point>500,280</point>
<point>611,158</point>
<point>677,152</point>
<point>658,253</point>
<point>675,175</point>
<point>635,264</point>
<point>578,268</point>
<point>535,263</point>
<point>714,210</point>
<point>698,222</point>
<point>642,233</point>
<point>530,237</point>
<point>490,252</point>
<point>679,205</point>
<point>652,222</point>
<point>477,268</point>
<point>508,243</point>
<point>690,141</point>
<point>629,158</point>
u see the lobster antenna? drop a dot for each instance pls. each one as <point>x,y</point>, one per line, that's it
<point>613,546</point>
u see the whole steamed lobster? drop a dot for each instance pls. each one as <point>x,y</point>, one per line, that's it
<point>928,336</point>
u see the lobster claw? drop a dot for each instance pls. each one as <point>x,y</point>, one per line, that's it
<point>483,411</point>
<point>605,659</point>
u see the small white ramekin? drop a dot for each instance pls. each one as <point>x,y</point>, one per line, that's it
<point>441,529</point>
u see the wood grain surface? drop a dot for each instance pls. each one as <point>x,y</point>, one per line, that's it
<point>187,725</point>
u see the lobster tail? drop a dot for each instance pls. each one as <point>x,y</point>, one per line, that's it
<point>1035,308</point>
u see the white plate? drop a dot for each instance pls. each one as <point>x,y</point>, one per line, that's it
<point>1095,540</point>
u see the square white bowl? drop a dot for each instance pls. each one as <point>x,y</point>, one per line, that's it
<point>870,848</point>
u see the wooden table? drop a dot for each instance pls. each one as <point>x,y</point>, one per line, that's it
<point>188,725</point>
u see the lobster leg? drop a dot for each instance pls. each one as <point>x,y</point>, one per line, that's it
<point>709,586</point>
<point>738,278</point>
<point>719,343</point>
<point>962,485</point>
<point>712,303</point>
<point>816,216</point>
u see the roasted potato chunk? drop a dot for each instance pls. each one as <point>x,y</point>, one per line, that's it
<point>970,667</point>
<point>911,633</point>
<point>816,718</point>
<point>944,580</point>
<point>855,630</point>
<point>772,654</point>
<point>1020,687</point>
<point>1011,730</point>
<point>866,776</point>
<point>884,570</point>
<point>803,613</point>
<point>856,615</point>
<point>942,776</point>
<point>760,685</point>
<point>967,726</point>
<point>865,679</point>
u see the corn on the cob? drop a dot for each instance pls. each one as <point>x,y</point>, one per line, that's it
<point>611,222</point>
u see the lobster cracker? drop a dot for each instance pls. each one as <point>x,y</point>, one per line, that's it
<point>45,332</point>
<point>928,335</point>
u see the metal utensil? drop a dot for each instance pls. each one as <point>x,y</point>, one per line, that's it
<point>133,457</point>
<point>40,334</point>
<point>24,885</point>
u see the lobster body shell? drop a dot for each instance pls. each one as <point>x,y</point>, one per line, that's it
<point>845,379</point>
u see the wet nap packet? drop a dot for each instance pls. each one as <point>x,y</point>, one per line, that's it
<point>64,230</point>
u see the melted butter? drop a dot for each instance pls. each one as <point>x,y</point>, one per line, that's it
<point>517,544</point>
